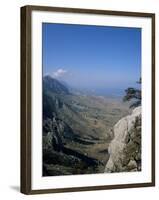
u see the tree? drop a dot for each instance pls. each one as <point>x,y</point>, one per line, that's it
<point>134,95</point>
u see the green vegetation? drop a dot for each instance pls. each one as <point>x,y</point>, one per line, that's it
<point>133,94</point>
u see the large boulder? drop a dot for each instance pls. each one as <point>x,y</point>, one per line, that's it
<point>125,148</point>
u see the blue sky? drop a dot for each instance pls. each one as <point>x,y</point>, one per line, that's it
<point>92,57</point>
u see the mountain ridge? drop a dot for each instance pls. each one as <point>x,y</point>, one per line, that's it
<point>76,129</point>
<point>54,85</point>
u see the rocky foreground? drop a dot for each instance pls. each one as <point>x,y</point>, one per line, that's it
<point>123,153</point>
<point>85,134</point>
<point>125,148</point>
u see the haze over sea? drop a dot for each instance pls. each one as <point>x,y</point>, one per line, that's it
<point>99,60</point>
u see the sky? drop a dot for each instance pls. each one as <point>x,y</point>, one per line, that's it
<point>92,57</point>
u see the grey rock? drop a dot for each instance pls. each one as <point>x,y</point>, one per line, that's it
<point>125,148</point>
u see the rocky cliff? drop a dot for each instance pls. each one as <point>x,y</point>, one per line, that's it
<point>125,148</point>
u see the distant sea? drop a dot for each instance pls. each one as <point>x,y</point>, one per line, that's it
<point>117,93</point>
<point>107,92</point>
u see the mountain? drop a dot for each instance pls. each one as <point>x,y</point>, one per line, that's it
<point>76,129</point>
<point>53,85</point>
<point>62,126</point>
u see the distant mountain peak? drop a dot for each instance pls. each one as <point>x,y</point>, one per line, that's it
<point>54,85</point>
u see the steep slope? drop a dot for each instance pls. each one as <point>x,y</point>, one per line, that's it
<point>53,85</point>
<point>76,129</point>
<point>125,148</point>
<point>60,131</point>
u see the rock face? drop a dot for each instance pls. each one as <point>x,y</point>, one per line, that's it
<point>125,148</point>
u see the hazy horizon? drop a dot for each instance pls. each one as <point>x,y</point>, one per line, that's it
<point>98,58</point>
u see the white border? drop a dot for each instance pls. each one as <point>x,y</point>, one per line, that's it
<point>39,182</point>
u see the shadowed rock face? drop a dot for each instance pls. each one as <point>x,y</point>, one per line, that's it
<point>125,148</point>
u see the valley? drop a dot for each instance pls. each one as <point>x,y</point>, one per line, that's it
<point>77,129</point>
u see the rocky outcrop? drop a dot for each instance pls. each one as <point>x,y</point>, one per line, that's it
<point>125,148</point>
<point>58,158</point>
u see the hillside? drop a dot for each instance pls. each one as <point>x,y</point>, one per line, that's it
<point>76,129</point>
